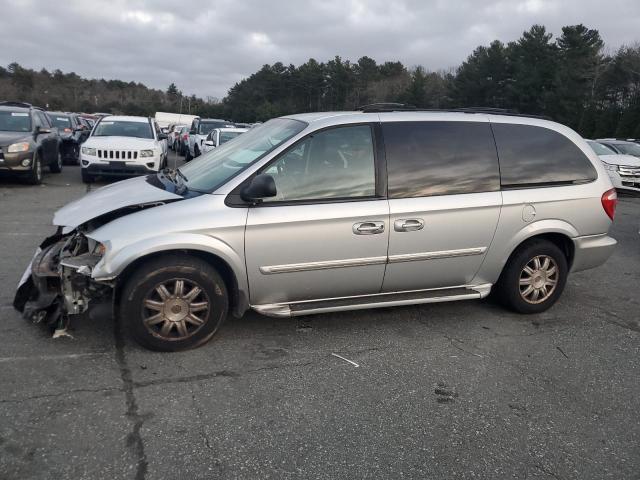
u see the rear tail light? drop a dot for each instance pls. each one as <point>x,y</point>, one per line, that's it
<point>67,130</point>
<point>185,136</point>
<point>609,202</point>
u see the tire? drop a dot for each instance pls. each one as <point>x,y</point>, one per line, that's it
<point>196,151</point>
<point>56,165</point>
<point>187,154</point>
<point>522,266</point>
<point>175,324</point>
<point>34,177</point>
<point>87,177</point>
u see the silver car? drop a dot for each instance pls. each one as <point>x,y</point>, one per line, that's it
<point>324,212</point>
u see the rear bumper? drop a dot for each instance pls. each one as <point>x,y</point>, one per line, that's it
<point>592,251</point>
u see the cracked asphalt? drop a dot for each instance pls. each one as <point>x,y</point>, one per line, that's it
<point>453,390</point>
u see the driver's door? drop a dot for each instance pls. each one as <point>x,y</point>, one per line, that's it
<point>325,234</point>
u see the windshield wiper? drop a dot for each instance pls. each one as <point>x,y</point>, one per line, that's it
<point>181,175</point>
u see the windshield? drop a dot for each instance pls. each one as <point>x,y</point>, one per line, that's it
<point>121,128</point>
<point>206,127</point>
<point>15,121</point>
<point>629,148</point>
<point>60,121</point>
<point>213,169</point>
<point>226,136</point>
<point>601,149</point>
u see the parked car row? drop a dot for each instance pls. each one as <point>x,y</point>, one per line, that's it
<point>203,135</point>
<point>32,139</point>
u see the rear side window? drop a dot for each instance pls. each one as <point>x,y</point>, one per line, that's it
<point>537,156</point>
<point>440,158</point>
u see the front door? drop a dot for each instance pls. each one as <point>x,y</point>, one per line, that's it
<point>325,234</point>
<point>444,200</point>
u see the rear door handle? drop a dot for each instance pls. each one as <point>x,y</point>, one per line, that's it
<point>408,224</point>
<point>368,228</point>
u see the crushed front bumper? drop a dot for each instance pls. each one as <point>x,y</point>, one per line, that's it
<point>57,283</point>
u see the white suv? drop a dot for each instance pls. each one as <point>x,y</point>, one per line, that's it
<point>123,146</point>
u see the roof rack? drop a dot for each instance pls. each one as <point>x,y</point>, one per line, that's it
<point>15,104</point>
<point>401,107</point>
<point>385,107</point>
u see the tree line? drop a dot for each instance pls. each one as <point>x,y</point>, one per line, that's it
<point>571,79</point>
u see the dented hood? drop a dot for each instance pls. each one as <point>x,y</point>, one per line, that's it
<point>127,193</point>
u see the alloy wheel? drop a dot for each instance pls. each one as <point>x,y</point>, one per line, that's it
<point>175,309</point>
<point>538,279</point>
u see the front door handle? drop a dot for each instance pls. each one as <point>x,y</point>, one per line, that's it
<point>408,224</point>
<point>368,228</point>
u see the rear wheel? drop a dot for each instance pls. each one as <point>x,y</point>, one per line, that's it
<point>187,154</point>
<point>174,303</point>
<point>56,165</point>
<point>534,277</point>
<point>34,176</point>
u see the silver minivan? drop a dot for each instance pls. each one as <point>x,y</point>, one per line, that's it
<point>324,212</point>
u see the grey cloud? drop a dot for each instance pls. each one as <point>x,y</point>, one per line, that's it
<point>206,48</point>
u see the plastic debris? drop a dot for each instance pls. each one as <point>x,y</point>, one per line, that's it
<point>346,360</point>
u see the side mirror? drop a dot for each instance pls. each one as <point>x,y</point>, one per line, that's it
<point>192,132</point>
<point>209,143</point>
<point>162,136</point>
<point>262,186</point>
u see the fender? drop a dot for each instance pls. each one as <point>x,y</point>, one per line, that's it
<point>112,265</point>
<point>501,250</point>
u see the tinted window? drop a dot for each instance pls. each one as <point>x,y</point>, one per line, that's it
<point>600,149</point>
<point>535,155</point>
<point>206,127</point>
<point>440,158</point>
<point>629,148</point>
<point>336,163</point>
<point>60,121</point>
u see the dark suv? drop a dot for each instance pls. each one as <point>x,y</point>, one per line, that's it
<point>27,141</point>
<point>73,130</point>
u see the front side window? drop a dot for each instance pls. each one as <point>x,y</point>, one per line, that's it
<point>44,121</point>
<point>440,158</point>
<point>14,121</point>
<point>331,164</point>
<point>536,156</point>
<point>122,128</point>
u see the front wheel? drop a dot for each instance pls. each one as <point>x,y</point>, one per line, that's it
<point>174,303</point>
<point>34,177</point>
<point>534,277</point>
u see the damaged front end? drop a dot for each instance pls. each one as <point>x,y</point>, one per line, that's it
<point>58,281</point>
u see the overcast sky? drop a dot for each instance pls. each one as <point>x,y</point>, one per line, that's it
<point>206,49</point>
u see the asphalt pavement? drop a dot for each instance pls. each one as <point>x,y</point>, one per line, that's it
<point>452,390</point>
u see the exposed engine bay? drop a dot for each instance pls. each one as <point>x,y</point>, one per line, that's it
<point>58,282</point>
